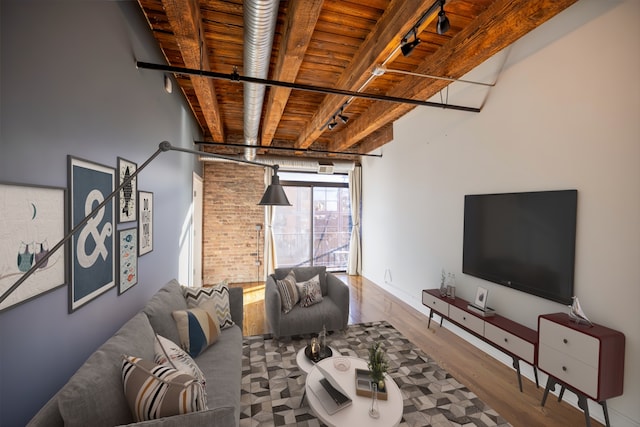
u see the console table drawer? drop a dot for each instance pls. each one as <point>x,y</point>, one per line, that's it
<point>511,343</point>
<point>435,304</point>
<point>467,320</point>
<point>568,370</point>
<point>570,342</point>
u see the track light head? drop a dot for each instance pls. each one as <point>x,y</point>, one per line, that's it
<point>407,46</point>
<point>343,118</point>
<point>333,124</point>
<point>443,22</point>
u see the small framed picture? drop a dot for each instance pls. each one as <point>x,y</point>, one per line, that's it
<point>127,198</point>
<point>481,298</point>
<point>145,222</point>
<point>128,259</point>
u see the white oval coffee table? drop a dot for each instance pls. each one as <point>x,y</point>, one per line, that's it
<point>357,413</point>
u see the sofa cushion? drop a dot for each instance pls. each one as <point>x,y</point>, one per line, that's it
<point>93,396</point>
<point>310,292</point>
<point>214,299</point>
<point>288,291</point>
<point>156,391</point>
<point>167,300</point>
<point>222,365</point>
<point>170,354</point>
<point>197,328</point>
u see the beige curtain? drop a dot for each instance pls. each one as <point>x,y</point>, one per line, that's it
<point>354,264</point>
<point>269,244</point>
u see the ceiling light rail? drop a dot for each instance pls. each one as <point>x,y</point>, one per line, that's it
<point>380,70</point>
<point>309,88</point>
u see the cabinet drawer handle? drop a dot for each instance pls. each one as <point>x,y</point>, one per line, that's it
<point>506,340</point>
<point>566,341</point>
<point>564,368</point>
<point>464,317</point>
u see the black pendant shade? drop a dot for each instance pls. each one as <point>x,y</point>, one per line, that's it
<point>274,195</point>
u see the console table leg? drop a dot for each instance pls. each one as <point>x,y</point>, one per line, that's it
<point>535,374</point>
<point>584,405</point>
<point>430,316</point>
<point>516,365</point>
<point>606,412</point>
<point>561,394</point>
<point>551,385</point>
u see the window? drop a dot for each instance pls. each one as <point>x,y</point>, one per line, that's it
<point>316,229</point>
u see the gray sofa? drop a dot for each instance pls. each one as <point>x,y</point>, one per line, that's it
<point>94,395</point>
<point>332,312</point>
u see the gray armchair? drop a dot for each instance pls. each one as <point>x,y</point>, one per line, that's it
<point>332,312</point>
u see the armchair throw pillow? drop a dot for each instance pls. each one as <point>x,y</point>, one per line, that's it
<point>288,291</point>
<point>310,291</point>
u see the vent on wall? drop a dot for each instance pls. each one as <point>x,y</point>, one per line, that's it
<point>325,168</point>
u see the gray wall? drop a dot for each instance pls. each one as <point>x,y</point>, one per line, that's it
<point>69,86</point>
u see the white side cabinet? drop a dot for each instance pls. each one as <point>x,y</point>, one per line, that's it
<point>589,360</point>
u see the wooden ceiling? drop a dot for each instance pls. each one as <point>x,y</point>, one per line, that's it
<point>333,44</point>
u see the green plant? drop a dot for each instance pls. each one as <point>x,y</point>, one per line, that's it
<point>378,363</point>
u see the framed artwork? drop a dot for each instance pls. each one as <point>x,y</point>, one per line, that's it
<point>32,222</point>
<point>481,298</point>
<point>92,246</point>
<point>128,259</point>
<point>145,222</point>
<point>127,197</point>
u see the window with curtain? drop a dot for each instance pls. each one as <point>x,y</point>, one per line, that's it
<point>316,230</point>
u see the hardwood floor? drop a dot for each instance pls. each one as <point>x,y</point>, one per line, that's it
<point>492,381</point>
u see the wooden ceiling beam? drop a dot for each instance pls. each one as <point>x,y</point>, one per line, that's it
<point>302,17</point>
<point>504,22</point>
<point>396,21</point>
<point>186,24</point>
<point>376,139</point>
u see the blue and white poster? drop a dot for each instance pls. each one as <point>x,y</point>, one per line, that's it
<point>92,246</point>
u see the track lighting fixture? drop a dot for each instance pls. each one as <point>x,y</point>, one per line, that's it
<point>443,22</point>
<point>407,46</point>
<point>344,119</point>
<point>332,124</point>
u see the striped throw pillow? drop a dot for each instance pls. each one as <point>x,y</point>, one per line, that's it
<point>197,329</point>
<point>170,354</point>
<point>214,299</point>
<point>154,391</point>
<point>288,290</point>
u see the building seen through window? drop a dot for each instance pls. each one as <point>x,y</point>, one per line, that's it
<point>316,230</point>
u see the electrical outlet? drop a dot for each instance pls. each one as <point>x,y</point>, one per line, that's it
<point>258,262</point>
<point>258,227</point>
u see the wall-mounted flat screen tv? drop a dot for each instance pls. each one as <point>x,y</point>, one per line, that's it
<point>525,241</point>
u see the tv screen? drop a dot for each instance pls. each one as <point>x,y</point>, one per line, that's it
<point>525,241</point>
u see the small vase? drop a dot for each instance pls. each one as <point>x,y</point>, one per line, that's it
<point>373,411</point>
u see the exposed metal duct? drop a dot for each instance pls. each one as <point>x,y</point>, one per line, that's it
<point>293,164</point>
<point>259,28</point>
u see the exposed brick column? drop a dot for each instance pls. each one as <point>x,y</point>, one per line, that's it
<point>230,214</point>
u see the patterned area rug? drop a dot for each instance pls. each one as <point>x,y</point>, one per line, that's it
<point>273,385</point>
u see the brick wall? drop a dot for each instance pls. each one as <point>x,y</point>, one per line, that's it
<point>230,214</point>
